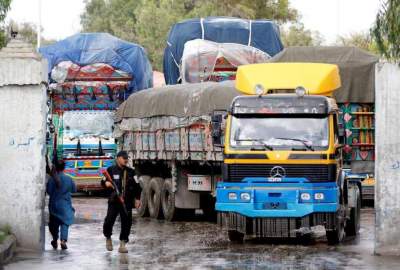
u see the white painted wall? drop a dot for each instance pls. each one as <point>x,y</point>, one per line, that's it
<point>387,163</point>
<point>22,145</point>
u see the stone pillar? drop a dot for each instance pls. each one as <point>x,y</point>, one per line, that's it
<point>23,74</point>
<point>387,160</point>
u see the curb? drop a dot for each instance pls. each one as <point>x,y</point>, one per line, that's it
<point>7,249</point>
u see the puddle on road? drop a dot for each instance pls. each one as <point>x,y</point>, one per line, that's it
<point>201,245</point>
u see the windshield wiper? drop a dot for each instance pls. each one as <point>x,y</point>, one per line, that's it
<point>265,146</point>
<point>304,142</point>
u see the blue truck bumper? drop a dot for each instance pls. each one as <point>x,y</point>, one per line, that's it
<point>258,200</point>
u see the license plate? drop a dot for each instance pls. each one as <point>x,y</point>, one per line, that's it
<point>199,182</point>
<point>275,205</point>
<point>274,179</point>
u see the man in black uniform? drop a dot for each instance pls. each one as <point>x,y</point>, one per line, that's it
<point>123,178</point>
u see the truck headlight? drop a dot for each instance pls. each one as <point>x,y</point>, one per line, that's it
<point>232,196</point>
<point>300,91</point>
<point>245,196</point>
<point>259,89</point>
<point>319,196</point>
<point>305,196</point>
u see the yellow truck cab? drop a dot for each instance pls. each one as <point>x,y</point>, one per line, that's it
<point>282,171</point>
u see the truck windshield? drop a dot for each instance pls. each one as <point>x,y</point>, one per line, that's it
<point>94,123</point>
<point>280,132</point>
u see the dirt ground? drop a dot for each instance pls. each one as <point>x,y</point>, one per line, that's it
<point>196,244</point>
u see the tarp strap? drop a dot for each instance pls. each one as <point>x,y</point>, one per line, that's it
<point>173,58</point>
<point>250,22</point>
<point>202,27</point>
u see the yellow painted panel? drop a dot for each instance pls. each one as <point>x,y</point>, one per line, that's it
<point>316,78</point>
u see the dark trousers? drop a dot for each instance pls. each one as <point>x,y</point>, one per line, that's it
<point>114,210</point>
<point>55,224</point>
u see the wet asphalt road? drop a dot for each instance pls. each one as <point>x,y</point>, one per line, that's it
<point>196,245</point>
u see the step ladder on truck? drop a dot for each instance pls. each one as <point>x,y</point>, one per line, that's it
<point>283,167</point>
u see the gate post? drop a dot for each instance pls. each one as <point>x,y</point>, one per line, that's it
<point>23,111</point>
<point>387,159</point>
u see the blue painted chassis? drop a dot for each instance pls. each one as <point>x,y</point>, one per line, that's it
<point>286,193</point>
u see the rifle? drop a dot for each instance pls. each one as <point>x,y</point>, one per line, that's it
<point>120,197</point>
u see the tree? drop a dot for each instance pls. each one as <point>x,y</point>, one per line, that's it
<point>147,22</point>
<point>154,19</point>
<point>4,7</point>
<point>362,40</point>
<point>116,17</point>
<point>386,31</point>
<point>279,11</point>
<point>297,35</point>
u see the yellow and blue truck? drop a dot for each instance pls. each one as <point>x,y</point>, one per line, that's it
<point>282,172</point>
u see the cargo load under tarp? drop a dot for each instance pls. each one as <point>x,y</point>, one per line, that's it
<point>173,122</point>
<point>205,60</point>
<point>186,100</point>
<point>260,34</point>
<point>356,68</point>
<point>90,48</point>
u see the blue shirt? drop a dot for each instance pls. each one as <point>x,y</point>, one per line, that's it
<point>60,203</point>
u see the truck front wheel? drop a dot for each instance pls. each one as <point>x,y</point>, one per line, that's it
<point>336,235</point>
<point>235,236</point>
<point>154,197</point>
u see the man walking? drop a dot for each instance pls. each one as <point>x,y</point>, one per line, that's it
<point>122,183</point>
<point>59,187</point>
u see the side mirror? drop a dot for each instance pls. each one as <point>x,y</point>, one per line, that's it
<point>217,130</point>
<point>52,128</point>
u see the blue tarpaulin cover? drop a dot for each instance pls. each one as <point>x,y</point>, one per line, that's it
<point>261,34</point>
<point>90,48</point>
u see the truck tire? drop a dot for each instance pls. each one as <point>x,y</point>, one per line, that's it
<point>143,210</point>
<point>235,236</point>
<point>336,235</point>
<point>154,197</point>
<point>353,225</point>
<point>168,201</point>
<point>208,207</point>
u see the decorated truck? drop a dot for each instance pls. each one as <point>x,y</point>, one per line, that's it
<point>167,132</point>
<point>355,98</point>
<point>283,157</point>
<point>91,75</point>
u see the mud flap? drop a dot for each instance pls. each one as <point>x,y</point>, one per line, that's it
<point>183,197</point>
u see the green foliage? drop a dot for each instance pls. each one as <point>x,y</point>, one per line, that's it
<point>4,231</point>
<point>147,22</point>
<point>4,7</point>
<point>297,35</point>
<point>279,11</point>
<point>116,17</point>
<point>386,31</point>
<point>362,40</point>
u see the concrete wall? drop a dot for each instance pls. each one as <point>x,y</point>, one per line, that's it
<point>22,143</point>
<point>387,165</point>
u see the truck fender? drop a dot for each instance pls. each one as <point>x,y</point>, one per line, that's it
<point>353,192</point>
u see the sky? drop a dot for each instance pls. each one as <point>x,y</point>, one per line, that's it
<point>61,18</point>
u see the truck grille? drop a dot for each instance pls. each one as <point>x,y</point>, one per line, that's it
<point>314,173</point>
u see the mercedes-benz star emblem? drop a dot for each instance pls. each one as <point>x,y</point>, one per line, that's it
<point>277,172</point>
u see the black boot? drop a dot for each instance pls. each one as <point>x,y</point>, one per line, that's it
<point>54,244</point>
<point>63,245</point>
